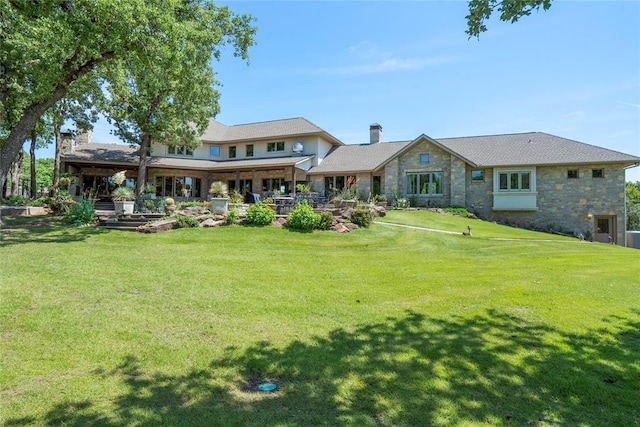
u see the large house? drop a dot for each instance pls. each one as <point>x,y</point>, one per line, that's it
<point>531,179</point>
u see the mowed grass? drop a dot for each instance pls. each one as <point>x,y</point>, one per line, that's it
<point>385,326</point>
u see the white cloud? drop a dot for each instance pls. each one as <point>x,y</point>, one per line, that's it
<point>387,65</point>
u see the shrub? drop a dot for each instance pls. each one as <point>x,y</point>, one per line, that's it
<point>302,217</point>
<point>61,203</point>
<point>260,214</point>
<point>457,211</point>
<point>326,221</point>
<point>80,213</point>
<point>232,216</point>
<point>236,197</point>
<point>16,201</point>
<point>401,203</point>
<point>186,221</point>
<point>362,217</point>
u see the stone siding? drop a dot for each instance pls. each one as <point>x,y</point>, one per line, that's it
<point>564,204</point>
<point>439,161</point>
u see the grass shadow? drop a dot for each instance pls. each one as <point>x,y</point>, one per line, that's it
<point>42,229</point>
<point>491,369</point>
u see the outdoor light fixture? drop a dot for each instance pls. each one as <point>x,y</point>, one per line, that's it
<point>589,215</point>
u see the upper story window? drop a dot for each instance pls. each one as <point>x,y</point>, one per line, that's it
<point>275,146</point>
<point>214,150</point>
<point>426,184</point>
<point>179,151</point>
<point>572,173</point>
<point>477,175</point>
<point>424,158</point>
<point>232,152</point>
<point>249,150</point>
<point>597,173</point>
<point>514,181</point>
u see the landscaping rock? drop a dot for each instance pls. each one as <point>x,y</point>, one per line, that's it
<point>340,228</point>
<point>351,226</point>
<point>210,222</point>
<point>158,226</point>
<point>279,222</point>
<point>195,210</point>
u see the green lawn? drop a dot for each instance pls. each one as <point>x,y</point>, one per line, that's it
<point>385,326</point>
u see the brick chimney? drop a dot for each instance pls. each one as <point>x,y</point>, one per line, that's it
<point>375,133</point>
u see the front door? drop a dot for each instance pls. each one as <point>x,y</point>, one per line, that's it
<point>605,229</point>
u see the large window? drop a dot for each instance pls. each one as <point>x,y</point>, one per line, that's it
<point>175,150</point>
<point>245,185</point>
<point>514,181</point>
<point>275,184</point>
<point>338,183</point>
<point>424,184</point>
<point>178,186</point>
<point>275,146</point>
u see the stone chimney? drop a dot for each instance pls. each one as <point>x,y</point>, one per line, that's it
<point>67,141</point>
<point>375,133</point>
<point>84,136</point>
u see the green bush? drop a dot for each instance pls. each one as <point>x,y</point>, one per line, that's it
<point>361,217</point>
<point>80,213</point>
<point>186,221</point>
<point>260,214</point>
<point>232,216</point>
<point>302,217</point>
<point>457,211</point>
<point>61,203</point>
<point>16,201</point>
<point>401,203</point>
<point>326,221</point>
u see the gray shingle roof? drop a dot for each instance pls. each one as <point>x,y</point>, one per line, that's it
<point>126,155</point>
<point>358,158</point>
<point>217,132</point>
<point>532,148</point>
<point>100,153</point>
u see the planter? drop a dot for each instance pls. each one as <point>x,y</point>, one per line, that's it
<point>124,207</point>
<point>219,205</point>
<point>346,203</point>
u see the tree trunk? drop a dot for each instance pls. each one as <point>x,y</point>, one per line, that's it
<point>32,113</point>
<point>15,175</point>
<point>56,161</point>
<point>32,155</point>
<point>145,145</point>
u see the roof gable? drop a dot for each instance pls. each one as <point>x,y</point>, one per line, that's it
<point>359,158</point>
<point>217,132</point>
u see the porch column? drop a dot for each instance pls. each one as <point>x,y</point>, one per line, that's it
<point>293,179</point>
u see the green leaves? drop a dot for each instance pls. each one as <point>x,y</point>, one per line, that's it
<point>510,10</point>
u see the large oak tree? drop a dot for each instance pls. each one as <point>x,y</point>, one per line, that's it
<point>47,45</point>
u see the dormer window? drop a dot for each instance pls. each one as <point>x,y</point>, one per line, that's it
<point>275,146</point>
<point>179,151</point>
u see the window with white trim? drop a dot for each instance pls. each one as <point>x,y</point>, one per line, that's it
<point>214,150</point>
<point>275,146</point>
<point>424,184</point>
<point>514,181</point>
<point>176,150</point>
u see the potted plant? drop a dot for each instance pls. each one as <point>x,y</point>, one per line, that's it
<point>123,197</point>
<point>219,199</point>
<point>149,191</point>
<point>347,197</point>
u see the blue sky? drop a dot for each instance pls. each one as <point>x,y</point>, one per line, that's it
<point>572,71</point>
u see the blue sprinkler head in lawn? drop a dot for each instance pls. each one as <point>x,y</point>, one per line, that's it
<point>267,387</point>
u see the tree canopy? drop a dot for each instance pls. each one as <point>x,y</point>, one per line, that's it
<point>48,46</point>
<point>510,10</point>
